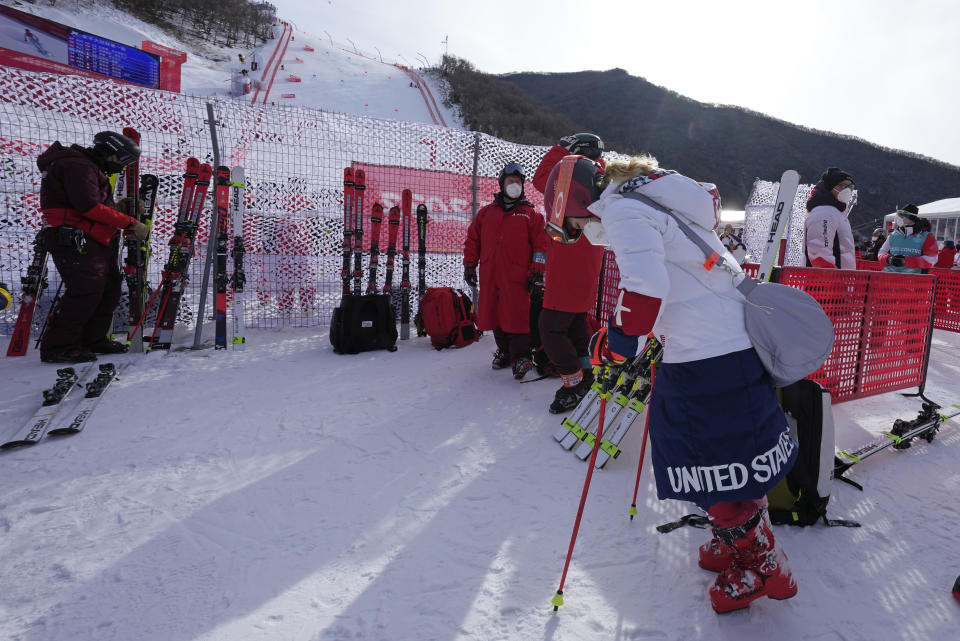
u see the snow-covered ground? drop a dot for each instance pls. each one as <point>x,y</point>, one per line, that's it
<point>287,492</point>
<point>333,77</point>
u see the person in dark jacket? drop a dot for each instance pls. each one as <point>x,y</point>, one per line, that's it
<point>876,242</point>
<point>506,240</point>
<point>80,233</point>
<point>572,277</point>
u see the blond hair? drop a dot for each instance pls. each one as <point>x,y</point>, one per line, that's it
<point>621,170</point>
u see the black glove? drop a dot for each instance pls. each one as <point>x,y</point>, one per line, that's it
<point>897,261</point>
<point>470,275</point>
<point>535,284</point>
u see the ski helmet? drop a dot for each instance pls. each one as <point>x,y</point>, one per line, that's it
<point>878,231</point>
<point>107,143</point>
<point>589,145</point>
<point>574,184</point>
<point>511,169</point>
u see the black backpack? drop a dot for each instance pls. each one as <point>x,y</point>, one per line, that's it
<point>363,323</point>
<point>801,497</point>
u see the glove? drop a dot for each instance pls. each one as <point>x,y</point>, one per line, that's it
<point>140,230</point>
<point>470,275</point>
<point>125,205</point>
<point>535,284</point>
<point>612,346</point>
<point>897,261</point>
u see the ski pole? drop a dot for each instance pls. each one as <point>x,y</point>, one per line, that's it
<point>557,600</point>
<point>643,447</point>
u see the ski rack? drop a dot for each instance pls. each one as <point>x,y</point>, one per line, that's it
<point>900,437</point>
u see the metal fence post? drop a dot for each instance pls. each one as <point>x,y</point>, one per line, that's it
<point>212,240</point>
<point>474,205</point>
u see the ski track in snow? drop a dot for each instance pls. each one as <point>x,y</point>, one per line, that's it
<point>287,492</point>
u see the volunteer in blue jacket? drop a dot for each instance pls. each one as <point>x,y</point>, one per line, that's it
<point>908,250</point>
<point>723,461</point>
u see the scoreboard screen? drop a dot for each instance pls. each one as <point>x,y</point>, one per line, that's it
<point>93,53</point>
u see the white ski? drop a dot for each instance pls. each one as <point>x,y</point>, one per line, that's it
<point>779,222</point>
<point>53,401</point>
<point>96,388</point>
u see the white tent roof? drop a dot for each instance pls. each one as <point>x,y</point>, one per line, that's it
<point>945,206</point>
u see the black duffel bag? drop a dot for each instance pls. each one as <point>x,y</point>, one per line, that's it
<point>363,323</point>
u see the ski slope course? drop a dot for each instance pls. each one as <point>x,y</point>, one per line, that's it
<point>303,69</point>
<point>287,492</point>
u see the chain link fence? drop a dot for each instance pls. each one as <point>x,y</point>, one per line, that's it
<point>294,159</point>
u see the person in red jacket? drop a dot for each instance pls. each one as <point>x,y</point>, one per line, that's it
<point>945,258</point>
<point>506,240</point>
<point>571,278</point>
<point>80,233</point>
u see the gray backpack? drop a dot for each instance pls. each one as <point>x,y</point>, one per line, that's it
<point>789,330</point>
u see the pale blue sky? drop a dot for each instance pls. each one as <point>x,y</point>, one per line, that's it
<point>883,70</point>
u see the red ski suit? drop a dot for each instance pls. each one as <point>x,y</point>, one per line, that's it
<point>507,245</point>
<point>573,274</point>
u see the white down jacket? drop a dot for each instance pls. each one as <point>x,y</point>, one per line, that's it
<point>701,315</point>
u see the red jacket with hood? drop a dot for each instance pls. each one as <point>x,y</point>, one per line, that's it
<point>507,244</point>
<point>76,193</point>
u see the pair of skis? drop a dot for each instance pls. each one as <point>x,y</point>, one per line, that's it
<point>354,187</point>
<point>137,189</point>
<point>630,395</point>
<point>95,379</point>
<point>900,437</point>
<point>33,283</point>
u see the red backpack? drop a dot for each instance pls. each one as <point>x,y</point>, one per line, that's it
<point>446,314</point>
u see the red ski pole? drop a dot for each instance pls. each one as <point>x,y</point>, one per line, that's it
<point>643,447</point>
<point>557,600</point>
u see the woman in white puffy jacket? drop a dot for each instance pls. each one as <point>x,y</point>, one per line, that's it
<point>725,461</point>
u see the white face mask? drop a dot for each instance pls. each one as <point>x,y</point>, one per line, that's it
<point>513,190</point>
<point>845,195</point>
<point>904,226</point>
<point>596,234</point>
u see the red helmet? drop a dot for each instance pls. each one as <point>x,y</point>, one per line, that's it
<point>572,186</point>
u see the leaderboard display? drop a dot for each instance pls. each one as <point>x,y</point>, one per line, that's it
<point>39,38</point>
<point>93,53</point>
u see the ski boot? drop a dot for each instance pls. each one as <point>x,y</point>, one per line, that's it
<point>757,567</point>
<point>70,355</point>
<point>107,346</point>
<point>521,366</point>
<point>501,360</point>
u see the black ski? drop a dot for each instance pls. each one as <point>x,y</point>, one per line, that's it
<point>376,218</point>
<point>421,266</point>
<point>900,437</point>
<point>220,263</point>
<point>407,203</point>
<point>135,265</point>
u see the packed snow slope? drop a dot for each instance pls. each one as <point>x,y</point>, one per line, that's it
<point>334,76</point>
<point>290,493</point>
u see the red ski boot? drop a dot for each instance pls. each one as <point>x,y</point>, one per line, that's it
<point>715,556</point>
<point>757,568</point>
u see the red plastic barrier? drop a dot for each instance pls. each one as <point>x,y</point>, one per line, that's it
<point>292,78</point>
<point>297,59</point>
<point>307,48</point>
<point>870,265</point>
<point>946,301</point>
<point>881,322</point>
<point>288,95</point>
